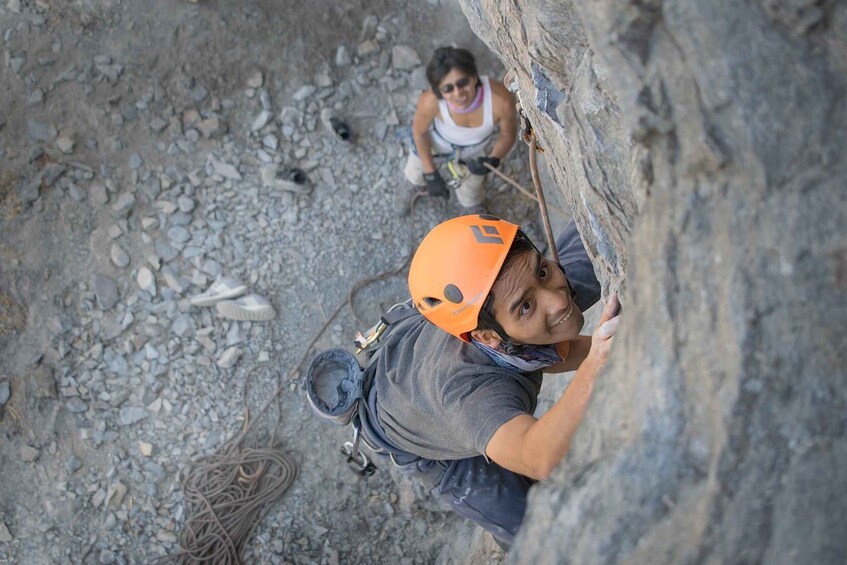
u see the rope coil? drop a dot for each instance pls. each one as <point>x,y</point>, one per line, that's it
<point>226,496</point>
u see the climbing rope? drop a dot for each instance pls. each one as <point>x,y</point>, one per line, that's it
<point>228,493</point>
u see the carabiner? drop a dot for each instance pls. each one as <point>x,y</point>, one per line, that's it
<point>357,460</point>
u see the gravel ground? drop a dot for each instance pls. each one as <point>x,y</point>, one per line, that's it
<point>140,150</point>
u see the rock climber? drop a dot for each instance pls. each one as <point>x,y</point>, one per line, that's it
<point>457,120</point>
<point>453,392</point>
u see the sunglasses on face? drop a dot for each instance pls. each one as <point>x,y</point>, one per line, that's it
<point>461,83</point>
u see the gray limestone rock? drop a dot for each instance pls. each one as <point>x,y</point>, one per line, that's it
<point>183,326</point>
<point>261,120</point>
<point>151,188</point>
<point>5,392</point>
<point>119,257</point>
<point>35,98</point>
<point>30,190</point>
<point>65,144</point>
<point>404,58</point>
<point>51,173</point>
<point>342,57</point>
<point>229,358</point>
<point>41,131</point>
<point>106,291</point>
<point>42,383</point>
<point>174,281</point>
<point>713,434</point>
<point>146,281</point>
<point>111,72</point>
<point>226,170</point>
<point>164,249</point>
<point>130,415</point>
<point>304,92</point>
<point>212,128</point>
<point>29,453</point>
<point>265,99</point>
<point>179,235</point>
<point>76,405</point>
<point>72,464</point>
<point>271,142</point>
<point>186,203</point>
<point>158,124</point>
<point>98,193</point>
<point>135,161</point>
<point>124,204</point>
<point>255,80</point>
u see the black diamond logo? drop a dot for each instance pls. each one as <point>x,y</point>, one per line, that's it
<point>491,234</point>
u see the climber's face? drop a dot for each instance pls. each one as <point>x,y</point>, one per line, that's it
<point>458,88</point>
<point>532,301</point>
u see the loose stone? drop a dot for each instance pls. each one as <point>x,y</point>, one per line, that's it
<point>65,144</point>
<point>256,80</point>
<point>43,383</point>
<point>119,257</point>
<point>41,131</point>
<point>29,453</point>
<point>106,291</point>
<point>304,92</point>
<point>404,58</point>
<point>158,124</point>
<point>76,405</point>
<point>146,281</point>
<point>229,358</point>
<point>124,204</point>
<point>261,120</point>
<point>132,415</point>
<point>35,98</point>
<point>226,170</point>
<point>5,393</point>
<point>135,161</point>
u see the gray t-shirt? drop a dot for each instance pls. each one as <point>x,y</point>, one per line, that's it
<point>438,397</point>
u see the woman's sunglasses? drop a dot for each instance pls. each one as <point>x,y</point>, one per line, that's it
<point>461,83</point>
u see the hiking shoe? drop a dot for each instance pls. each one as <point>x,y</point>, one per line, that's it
<point>222,289</point>
<point>471,210</point>
<point>250,308</point>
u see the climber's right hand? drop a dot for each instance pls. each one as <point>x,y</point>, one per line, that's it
<point>435,185</point>
<point>604,333</point>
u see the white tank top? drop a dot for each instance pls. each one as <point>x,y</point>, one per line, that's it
<point>445,128</point>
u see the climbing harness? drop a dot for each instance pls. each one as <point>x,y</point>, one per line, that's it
<point>458,172</point>
<point>337,387</point>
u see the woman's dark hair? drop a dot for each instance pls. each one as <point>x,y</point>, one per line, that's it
<point>520,245</point>
<point>444,60</point>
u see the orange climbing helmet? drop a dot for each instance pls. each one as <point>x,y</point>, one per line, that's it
<point>455,267</point>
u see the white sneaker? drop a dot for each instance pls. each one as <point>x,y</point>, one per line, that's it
<point>250,308</point>
<point>221,289</point>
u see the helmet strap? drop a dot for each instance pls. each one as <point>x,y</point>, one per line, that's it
<point>507,344</point>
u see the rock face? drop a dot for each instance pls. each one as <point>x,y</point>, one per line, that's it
<point>702,146</point>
